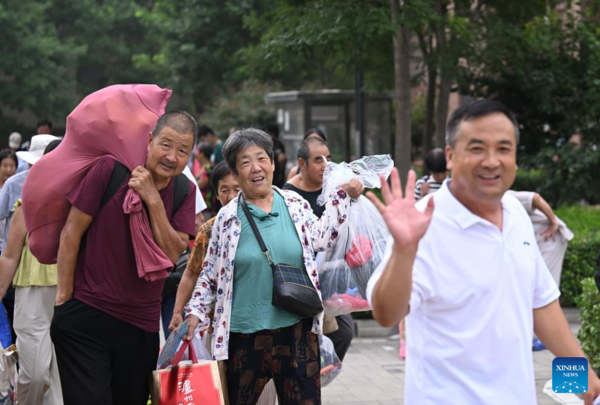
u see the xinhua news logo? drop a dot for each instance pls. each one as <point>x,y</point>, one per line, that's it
<point>570,375</point>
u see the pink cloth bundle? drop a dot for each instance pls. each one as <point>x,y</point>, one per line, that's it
<point>115,121</point>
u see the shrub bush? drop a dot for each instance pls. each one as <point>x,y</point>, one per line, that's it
<point>580,258</point>
<point>589,303</point>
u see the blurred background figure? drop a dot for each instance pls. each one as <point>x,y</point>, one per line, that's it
<point>202,170</point>
<point>8,167</point>
<point>279,152</point>
<point>435,165</point>
<point>14,143</point>
<point>207,135</point>
<point>44,127</point>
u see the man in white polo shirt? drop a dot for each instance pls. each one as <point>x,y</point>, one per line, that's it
<point>468,275</point>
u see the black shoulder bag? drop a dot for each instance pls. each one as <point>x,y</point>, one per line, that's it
<point>292,288</point>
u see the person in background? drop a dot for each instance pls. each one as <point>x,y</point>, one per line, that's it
<point>311,133</point>
<point>551,235</point>
<point>14,143</point>
<point>35,290</point>
<point>259,340</point>
<point>202,171</point>
<point>207,135</point>
<point>313,155</point>
<point>279,151</point>
<point>8,167</point>
<point>10,194</point>
<point>172,282</point>
<point>435,163</point>
<point>106,321</point>
<point>44,127</point>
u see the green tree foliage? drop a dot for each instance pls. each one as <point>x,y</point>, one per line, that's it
<point>36,67</point>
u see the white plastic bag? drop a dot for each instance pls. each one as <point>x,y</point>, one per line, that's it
<point>174,342</point>
<point>331,365</point>
<point>8,375</point>
<point>344,271</point>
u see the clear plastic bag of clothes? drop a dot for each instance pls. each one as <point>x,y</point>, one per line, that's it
<point>331,365</point>
<point>8,375</point>
<point>344,271</point>
<point>174,342</point>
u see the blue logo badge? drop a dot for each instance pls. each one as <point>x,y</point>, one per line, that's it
<point>570,375</point>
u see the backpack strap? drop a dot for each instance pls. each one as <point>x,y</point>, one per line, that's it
<point>180,191</point>
<point>117,177</point>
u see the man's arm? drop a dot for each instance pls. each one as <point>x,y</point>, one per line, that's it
<point>552,328</point>
<point>541,204</point>
<point>170,241</point>
<point>391,294</point>
<point>70,239</point>
<point>407,226</point>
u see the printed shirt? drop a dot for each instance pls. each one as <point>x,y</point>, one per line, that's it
<point>215,284</point>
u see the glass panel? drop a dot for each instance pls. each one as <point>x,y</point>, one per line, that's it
<point>332,121</point>
<point>378,131</point>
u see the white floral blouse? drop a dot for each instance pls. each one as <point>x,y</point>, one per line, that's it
<point>215,284</point>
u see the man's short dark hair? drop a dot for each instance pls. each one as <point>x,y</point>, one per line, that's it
<point>316,131</point>
<point>477,109</point>
<point>179,121</point>
<point>435,161</point>
<point>52,145</point>
<point>44,122</point>
<point>205,149</point>
<point>8,153</point>
<point>205,130</point>
<point>219,173</point>
<point>304,149</point>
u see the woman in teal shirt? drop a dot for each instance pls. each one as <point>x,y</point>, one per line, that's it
<point>259,341</point>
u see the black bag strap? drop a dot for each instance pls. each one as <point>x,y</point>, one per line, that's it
<point>259,238</point>
<point>180,191</point>
<point>117,177</point>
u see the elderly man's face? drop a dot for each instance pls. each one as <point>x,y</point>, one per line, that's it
<point>168,153</point>
<point>255,171</point>
<point>317,162</point>
<point>484,159</point>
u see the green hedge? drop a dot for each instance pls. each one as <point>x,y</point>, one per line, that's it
<point>580,258</point>
<point>589,303</point>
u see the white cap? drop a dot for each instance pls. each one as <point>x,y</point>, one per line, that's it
<point>36,150</point>
<point>14,140</point>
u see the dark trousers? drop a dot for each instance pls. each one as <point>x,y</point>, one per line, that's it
<point>101,360</point>
<point>9,303</point>
<point>342,337</point>
<point>290,356</point>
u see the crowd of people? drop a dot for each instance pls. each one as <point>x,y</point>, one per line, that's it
<point>467,267</point>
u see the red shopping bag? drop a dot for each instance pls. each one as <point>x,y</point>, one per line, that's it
<point>187,384</point>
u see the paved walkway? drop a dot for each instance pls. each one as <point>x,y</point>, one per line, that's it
<point>373,374</point>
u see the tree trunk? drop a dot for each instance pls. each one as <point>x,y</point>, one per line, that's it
<point>442,110</point>
<point>445,76</point>
<point>402,97</point>
<point>429,109</point>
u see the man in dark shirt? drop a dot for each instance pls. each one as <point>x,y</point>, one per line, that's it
<point>313,155</point>
<point>106,319</point>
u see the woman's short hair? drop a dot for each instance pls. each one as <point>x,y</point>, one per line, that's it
<point>219,173</point>
<point>8,153</point>
<point>242,139</point>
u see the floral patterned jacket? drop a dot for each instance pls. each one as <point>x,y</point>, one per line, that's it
<point>214,288</point>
